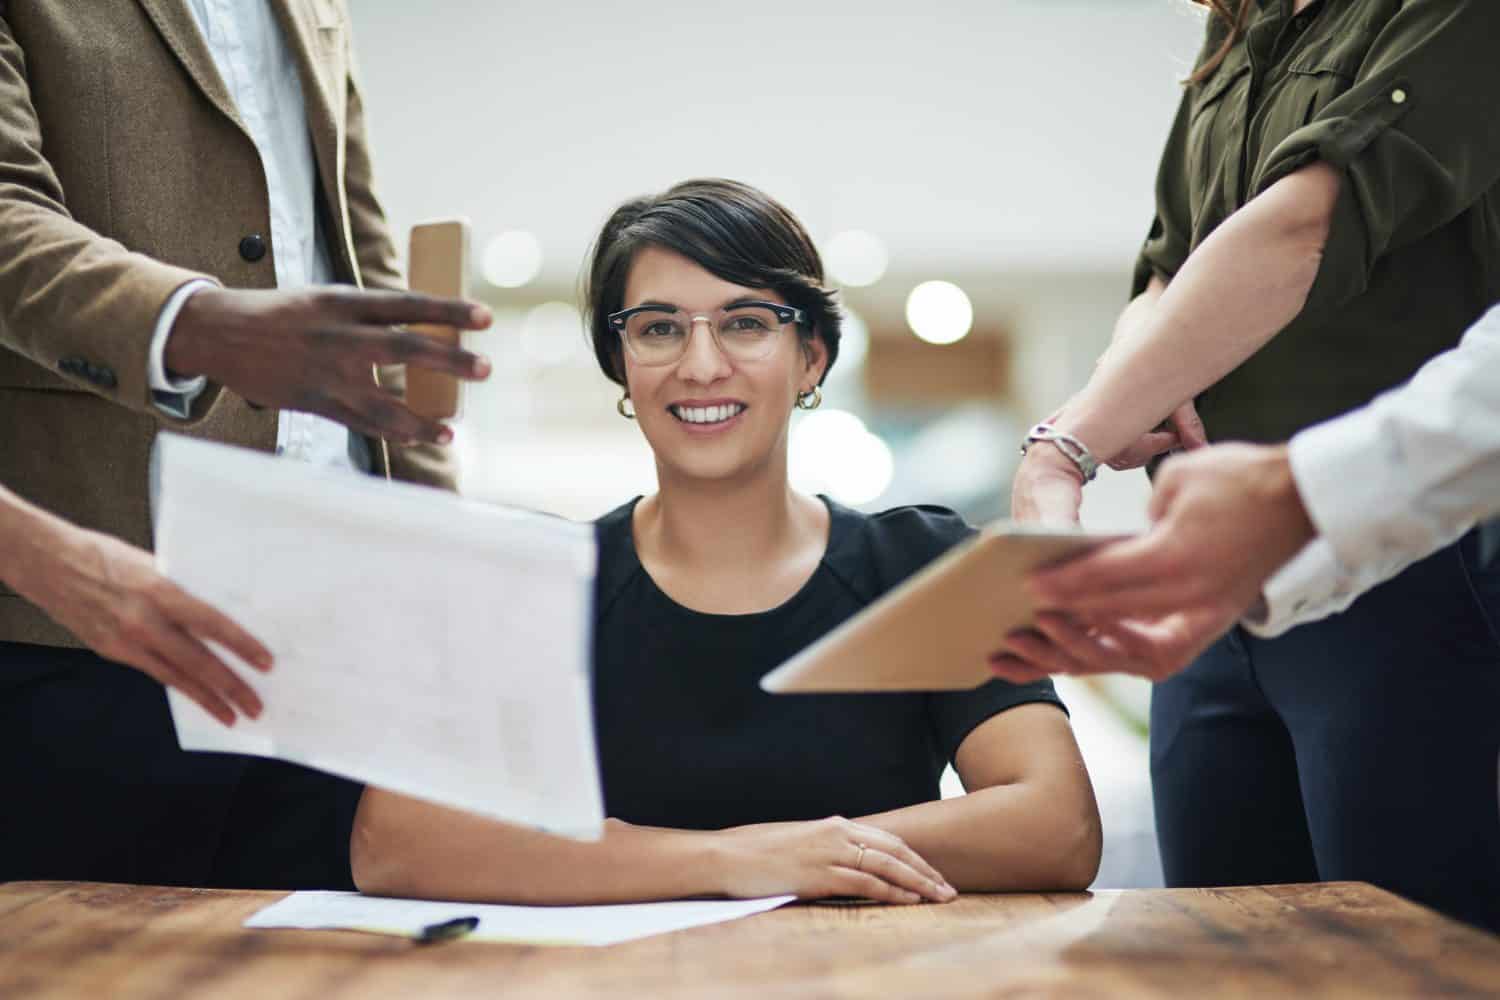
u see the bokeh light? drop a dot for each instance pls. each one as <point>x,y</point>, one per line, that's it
<point>939,312</point>
<point>512,259</point>
<point>552,333</point>
<point>833,452</point>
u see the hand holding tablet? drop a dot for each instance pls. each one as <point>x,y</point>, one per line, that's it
<point>936,631</point>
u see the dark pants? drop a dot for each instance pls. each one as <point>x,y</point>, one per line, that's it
<point>94,787</point>
<point>1360,747</point>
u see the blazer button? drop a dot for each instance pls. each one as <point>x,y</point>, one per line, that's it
<point>253,247</point>
<point>101,376</point>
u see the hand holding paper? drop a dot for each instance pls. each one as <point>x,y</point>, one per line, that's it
<point>424,643</point>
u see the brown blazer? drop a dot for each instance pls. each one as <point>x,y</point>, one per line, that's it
<point>125,171</point>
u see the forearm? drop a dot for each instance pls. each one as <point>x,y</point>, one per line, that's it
<point>1134,317</point>
<point>404,847</point>
<point>1240,288</point>
<point>1006,838</point>
<point>27,535</point>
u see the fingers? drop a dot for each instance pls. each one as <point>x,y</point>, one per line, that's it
<point>896,848</point>
<point>395,308</point>
<point>1135,574</point>
<point>1010,667</point>
<point>1039,652</point>
<point>189,685</point>
<point>848,882</point>
<point>190,659</point>
<point>378,414</point>
<point>207,622</point>
<point>1087,647</point>
<point>1147,447</point>
<point>902,875</point>
<point>1189,426</point>
<point>408,347</point>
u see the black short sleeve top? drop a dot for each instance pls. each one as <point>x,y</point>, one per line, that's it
<point>687,738</point>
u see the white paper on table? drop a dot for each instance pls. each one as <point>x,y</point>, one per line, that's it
<point>556,925</point>
<point>424,643</point>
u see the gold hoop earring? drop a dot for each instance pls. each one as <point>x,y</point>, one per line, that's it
<point>620,406</point>
<point>810,400</point>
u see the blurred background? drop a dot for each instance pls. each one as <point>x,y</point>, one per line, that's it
<point>977,174</point>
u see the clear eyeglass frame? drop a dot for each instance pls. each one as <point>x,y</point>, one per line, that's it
<point>654,335</point>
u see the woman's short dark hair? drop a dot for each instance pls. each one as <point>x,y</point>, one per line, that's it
<point>731,230</point>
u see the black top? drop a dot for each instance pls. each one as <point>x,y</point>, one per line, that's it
<point>687,738</point>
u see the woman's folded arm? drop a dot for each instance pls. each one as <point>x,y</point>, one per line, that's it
<point>406,847</point>
<point>403,846</point>
<point>1029,820</point>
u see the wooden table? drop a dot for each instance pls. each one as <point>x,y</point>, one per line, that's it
<point>93,940</point>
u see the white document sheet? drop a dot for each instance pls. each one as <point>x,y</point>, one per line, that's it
<point>556,925</point>
<point>424,643</point>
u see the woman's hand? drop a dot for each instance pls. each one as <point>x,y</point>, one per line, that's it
<point>1182,431</point>
<point>109,595</point>
<point>826,857</point>
<point>1048,488</point>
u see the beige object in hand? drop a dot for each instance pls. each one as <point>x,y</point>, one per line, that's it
<point>438,264</point>
<point>936,630</point>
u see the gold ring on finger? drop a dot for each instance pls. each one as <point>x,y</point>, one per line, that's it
<point>859,861</point>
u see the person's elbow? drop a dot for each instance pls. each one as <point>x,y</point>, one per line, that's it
<point>1075,844</point>
<point>1306,208</point>
<point>376,860</point>
<point>1082,848</point>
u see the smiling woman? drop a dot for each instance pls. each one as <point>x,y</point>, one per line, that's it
<point>707,306</point>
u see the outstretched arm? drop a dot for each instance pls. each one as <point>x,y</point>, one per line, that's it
<point>111,597</point>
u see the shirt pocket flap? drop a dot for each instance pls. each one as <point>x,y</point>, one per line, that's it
<point>1217,86</point>
<point>1340,55</point>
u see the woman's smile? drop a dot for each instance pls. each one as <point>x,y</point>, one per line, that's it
<point>708,416</point>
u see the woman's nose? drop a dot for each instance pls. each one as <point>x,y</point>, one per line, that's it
<point>703,360</point>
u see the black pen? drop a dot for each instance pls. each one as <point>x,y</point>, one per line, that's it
<point>447,930</point>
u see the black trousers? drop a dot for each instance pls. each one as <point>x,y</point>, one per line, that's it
<point>94,787</point>
<point>1361,747</point>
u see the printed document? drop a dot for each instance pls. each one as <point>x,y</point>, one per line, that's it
<point>555,925</point>
<point>424,643</point>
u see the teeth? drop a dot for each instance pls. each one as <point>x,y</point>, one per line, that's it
<point>707,414</point>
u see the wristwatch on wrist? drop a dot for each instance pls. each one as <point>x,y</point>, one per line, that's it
<point>1070,446</point>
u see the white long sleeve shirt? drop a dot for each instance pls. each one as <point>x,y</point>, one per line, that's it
<point>258,68</point>
<point>1393,482</point>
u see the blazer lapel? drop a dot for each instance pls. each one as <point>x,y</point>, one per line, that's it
<point>174,22</point>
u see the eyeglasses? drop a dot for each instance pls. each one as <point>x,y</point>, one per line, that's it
<point>746,330</point>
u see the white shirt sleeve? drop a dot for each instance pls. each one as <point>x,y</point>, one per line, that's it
<point>172,396</point>
<point>1393,482</point>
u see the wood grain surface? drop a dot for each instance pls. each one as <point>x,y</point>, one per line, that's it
<point>1337,939</point>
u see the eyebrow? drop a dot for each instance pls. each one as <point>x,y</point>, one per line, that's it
<point>735,303</point>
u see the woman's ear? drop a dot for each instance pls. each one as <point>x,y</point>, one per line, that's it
<point>815,356</point>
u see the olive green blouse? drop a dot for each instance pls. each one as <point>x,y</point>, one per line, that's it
<point>1403,96</point>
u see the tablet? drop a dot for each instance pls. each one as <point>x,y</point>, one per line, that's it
<point>936,630</point>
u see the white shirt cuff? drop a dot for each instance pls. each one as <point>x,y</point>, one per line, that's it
<point>1311,586</point>
<point>172,396</point>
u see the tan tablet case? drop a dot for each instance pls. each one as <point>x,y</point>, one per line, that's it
<point>936,630</point>
<point>437,264</point>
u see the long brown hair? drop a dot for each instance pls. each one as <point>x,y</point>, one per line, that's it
<point>1233,22</point>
